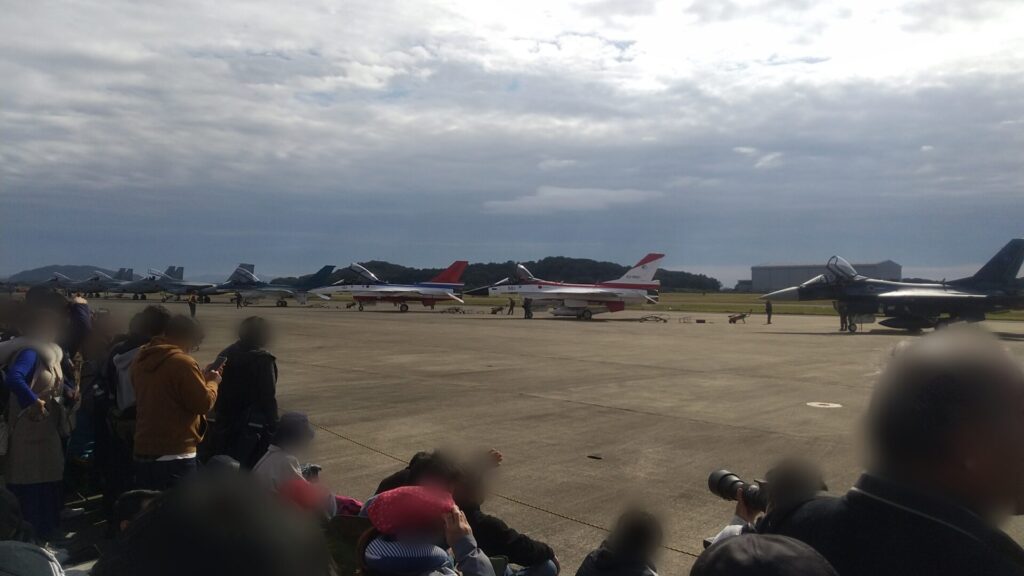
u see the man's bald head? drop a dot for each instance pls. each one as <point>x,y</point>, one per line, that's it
<point>946,403</point>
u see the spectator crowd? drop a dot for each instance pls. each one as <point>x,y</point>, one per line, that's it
<point>200,472</point>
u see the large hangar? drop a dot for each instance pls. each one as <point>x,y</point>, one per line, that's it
<point>771,277</point>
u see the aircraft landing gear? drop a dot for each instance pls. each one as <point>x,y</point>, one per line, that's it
<point>360,306</point>
<point>403,308</point>
<point>206,300</point>
<point>584,314</point>
<point>135,296</point>
<point>282,303</point>
<point>852,327</point>
<point>142,296</point>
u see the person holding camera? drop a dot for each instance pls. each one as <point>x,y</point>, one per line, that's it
<point>245,414</point>
<point>280,469</point>
<point>788,484</point>
<point>945,431</point>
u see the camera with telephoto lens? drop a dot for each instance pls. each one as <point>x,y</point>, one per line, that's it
<point>725,484</point>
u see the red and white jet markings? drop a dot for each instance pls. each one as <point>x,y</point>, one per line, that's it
<point>585,300</point>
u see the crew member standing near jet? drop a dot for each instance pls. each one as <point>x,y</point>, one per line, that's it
<point>192,304</point>
<point>511,305</point>
<point>528,308</point>
<point>768,310</point>
<point>238,300</point>
<point>844,316</point>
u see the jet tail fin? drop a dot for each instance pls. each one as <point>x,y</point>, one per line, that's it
<point>321,278</point>
<point>642,274</point>
<point>244,273</point>
<point>452,274</point>
<point>1004,266</point>
<point>172,272</point>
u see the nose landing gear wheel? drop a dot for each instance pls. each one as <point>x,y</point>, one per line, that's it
<point>852,328</point>
<point>585,314</point>
<point>360,306</point>
<point>403,308</point>
<point>282,303</point>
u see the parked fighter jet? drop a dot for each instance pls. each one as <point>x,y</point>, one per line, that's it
<point>243,281</point>
<point>57,282</point>
<point>440,288</point>
<point>151,284</point>
<point>102,282</point>
<point>584,300</point>
<point>909,306</point>
<point>174,284</point>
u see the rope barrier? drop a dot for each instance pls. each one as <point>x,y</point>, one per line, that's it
<point>502,496</point>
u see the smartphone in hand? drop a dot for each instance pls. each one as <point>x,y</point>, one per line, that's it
<point>218,364</point>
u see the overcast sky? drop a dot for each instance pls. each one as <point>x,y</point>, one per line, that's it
<point>724,133</point>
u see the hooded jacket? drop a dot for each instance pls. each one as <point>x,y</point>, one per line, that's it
<point>172,398</point>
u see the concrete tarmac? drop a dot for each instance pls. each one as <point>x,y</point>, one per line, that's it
<point>590,416</point>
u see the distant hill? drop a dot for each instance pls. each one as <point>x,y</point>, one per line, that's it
<point>46,272</point>
<point>555,268</point>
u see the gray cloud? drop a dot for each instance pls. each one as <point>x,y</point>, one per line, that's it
<point>208,134</point>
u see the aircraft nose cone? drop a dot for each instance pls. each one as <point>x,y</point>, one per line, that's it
<point>786,294</point>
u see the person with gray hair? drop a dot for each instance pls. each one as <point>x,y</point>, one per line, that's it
<point>945,433</point>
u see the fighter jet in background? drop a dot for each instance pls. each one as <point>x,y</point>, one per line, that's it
<point>440,288</point>
<point>174,284</point>
<point>101,282</point>
<point>58,282</point>
<point>584,300</point>
<point>909,306</point>
<point>244,282</point>
<point>151,284</point>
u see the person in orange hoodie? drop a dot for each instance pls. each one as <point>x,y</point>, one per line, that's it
<point>172,398</point>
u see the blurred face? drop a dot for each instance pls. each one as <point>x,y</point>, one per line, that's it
<point>991,459</point>
<point>45,326</point>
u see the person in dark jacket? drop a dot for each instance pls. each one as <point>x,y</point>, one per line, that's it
<point>629,550</point>
<point>761,555</point>
<point>496,538</point>
<point>946,436</point>
<point>246,411</point>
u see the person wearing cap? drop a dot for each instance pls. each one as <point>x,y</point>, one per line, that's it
<point>761,555</point>
<point>410,525</point>
<point>282,472</point>
<point>280,463</point>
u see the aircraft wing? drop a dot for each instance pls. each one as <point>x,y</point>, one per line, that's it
<point>926,294</point>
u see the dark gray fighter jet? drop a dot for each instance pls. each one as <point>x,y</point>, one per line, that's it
<point>911,306</point>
